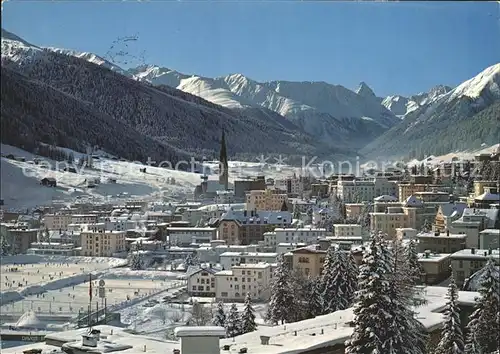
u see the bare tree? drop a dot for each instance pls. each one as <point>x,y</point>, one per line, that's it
<point>200,315</point>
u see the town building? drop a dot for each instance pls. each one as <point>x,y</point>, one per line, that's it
<point>248,227</point>
<point>446,214</point>
<point>441,242</point>
<point>436,267</point>
<point>201,283</point>
<point>465,263</point>
<point>184,236</point>
<point>102,244</point>
<point>230,259</point>
<point>265,200</point>
<point>298,235</point>
<point>233,285</point>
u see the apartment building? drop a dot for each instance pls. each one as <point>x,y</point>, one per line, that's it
<point>432,197</point>
<point>233,285</point>
<point>441,242</point>
<point>294,185</point>
<point>84,218</point>
<point>489,238</point>
<point>385,186</point>
<point>389,221</point>
<point>356,191</point>
<point>248,227</point>
<point>473,221</point>
<point>298,235</point>
<point>57,221</point>
<point>265,200</point>
<point>230,259</point>
<point>354,210</point>
<point>202,283</point>
<point>406,190</point>
<point>102,244</point>
<point>436,267</point>
<point>347,230</point>
<point>243,186</point>
<point>184,236</point>
<point>309,260</point>
<point>406,233</point>
<point>466,262</point>
<point>18,237</point>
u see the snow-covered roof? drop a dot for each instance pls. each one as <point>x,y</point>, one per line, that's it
<point>202,331</point>
<point>476,253</point>
<point>452,209</point>
<point>413,201</point>
<point>385,198</point>
<point>488,197</point>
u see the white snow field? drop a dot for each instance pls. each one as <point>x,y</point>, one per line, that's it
<point>21,186</point>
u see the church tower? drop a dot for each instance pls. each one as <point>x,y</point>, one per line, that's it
<point>223,164</point>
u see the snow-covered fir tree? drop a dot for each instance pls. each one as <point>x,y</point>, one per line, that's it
<point>484,323</point>
<point>233,322</point>
<point>415,269</point>
<point>452,340</point>
<point>338,280</point>
<point>315,298</point>
<point>248,316</point>
<point>219,318</point>
<point>378,327</point>
<point>282,295</point>
<point>405,295</point>
<point>136,261</point>
<point>4,246</point>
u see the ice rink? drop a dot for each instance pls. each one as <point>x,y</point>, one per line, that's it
<point>73,299</point>
<point>16,277</point>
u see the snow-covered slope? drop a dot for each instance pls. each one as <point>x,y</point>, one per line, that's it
<point>21,188</point>
<point>45,89</point>
<point>90,57</point>
<point>465,117</point>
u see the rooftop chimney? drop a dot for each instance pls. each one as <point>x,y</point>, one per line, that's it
<point>89,341</point>
<point>473,251</point>
<point>200,340</point>
<point>447,232</point>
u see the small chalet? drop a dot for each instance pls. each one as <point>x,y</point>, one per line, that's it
<point>49,182</point>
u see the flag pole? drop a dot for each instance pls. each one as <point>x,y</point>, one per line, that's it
<point>90,303</point>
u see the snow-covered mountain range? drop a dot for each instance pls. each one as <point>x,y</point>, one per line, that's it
<point>310,116</point>
<point>327,112</point>
<point>445,119</point>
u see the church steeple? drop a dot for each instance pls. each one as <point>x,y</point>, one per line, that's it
<point>223,163</point>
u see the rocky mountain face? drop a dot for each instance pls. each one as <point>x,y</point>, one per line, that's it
<point>446,120</point>
<point>69,95</point>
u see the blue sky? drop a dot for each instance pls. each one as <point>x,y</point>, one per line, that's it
<point>397,48</point>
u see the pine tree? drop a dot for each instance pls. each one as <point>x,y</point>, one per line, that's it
<point>338,280</point>
<point>374,310</point>
<point>233,322</point>
<point>315,298</point>
<point>484,323</point>
<point>4,246</point>
<point>452,341</point>
<point>281,295</point>
<point>405,296</point>
<point>415,269</point>
<point>136,261</point>
<point>219,318</point>
<point>248,316</point>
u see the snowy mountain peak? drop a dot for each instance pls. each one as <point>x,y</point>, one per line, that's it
<point>488,79</point>
<point>364,90</point>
